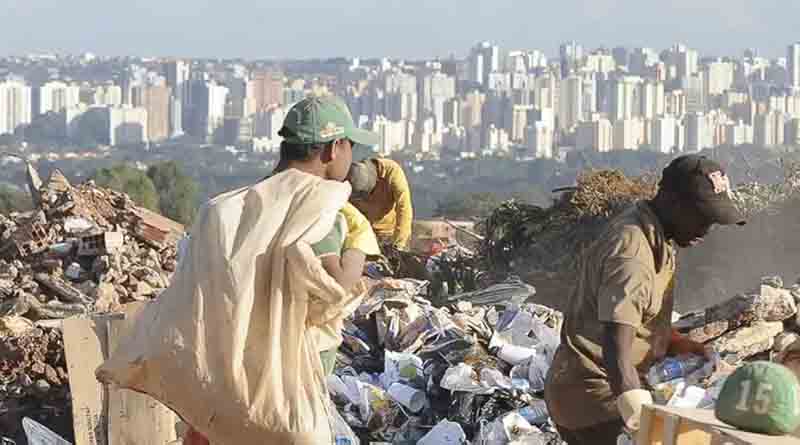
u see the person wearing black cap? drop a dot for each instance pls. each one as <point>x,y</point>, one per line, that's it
<point>618,321</point>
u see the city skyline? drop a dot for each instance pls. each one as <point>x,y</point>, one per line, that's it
<point>413,29</point>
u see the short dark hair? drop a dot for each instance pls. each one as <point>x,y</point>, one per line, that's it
<point>297,152</point>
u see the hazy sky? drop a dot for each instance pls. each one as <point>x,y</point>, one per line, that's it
<point>408,28</point>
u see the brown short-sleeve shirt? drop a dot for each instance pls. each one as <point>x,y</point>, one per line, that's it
<point>625,277</point>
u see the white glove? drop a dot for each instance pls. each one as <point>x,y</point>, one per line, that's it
<point>630,405</point>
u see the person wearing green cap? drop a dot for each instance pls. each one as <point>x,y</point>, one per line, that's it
<point>618,320</point>
<point>318,137</point>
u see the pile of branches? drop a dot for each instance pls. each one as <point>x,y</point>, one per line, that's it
<point>546,237</point>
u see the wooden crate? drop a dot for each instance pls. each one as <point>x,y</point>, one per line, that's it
<point>662,425</point>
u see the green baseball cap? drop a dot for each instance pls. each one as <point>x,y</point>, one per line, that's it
<point>323,119</point>
<point>760,397</point>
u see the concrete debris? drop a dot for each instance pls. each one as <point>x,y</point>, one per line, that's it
<point>84,250</point>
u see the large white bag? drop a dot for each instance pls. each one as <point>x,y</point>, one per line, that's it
<point>228,345</point>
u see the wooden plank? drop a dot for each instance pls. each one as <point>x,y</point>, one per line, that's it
<point>85,345</point>
<point>133,418</point>
<point>700,427</point>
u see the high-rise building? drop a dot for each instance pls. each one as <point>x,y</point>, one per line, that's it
<point>793,132</point>
<point>56,96</point>
<point>452,113</point>
<point>628,134</point>
<point>570,102</point>
<point>597,135</point>
<point>571,54</point>
<point>717,78</point>
<point>519,121</point>
<point>793,65</point>
<point>641,60</point>
<point>769,129</point>
<point>126,125</point>
<point>652,99</point>
<point>208,110</point>
<point>108,94</point>
<point>483,60</point>
<point>738,133</point>
<point>698,135</point>
<point>621,56</point>
<point>663,139</point>
<point>437,88</point>
<point>177,73</point>
<point>265,90</point>
<point>391,134</point>
<point>401,106</point>
<point>600,62</point>
<point>156,100</point>
<point>685,62</point>
<point>625,100</point>
<point>540,141</point>
<point>675,103</point>
<point>15,106</point>
<point>693,86</point>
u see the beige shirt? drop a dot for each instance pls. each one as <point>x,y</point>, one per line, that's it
<point>625,277</point>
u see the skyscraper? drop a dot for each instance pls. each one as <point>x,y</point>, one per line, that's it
<point>178,73</point>
<point>15,106</point>
<point>56,96</point>
<point>208,113</point>
<point>540,141</point>
<point>483,60</point>
<point>156,101</point>
<point>265,89</point>
<point>664,135</point>
<point>793,65</point>
<point>571,54</point>
<point>625,100</point>
<point>570,102</point>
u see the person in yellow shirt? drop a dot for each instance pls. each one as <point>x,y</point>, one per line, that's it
<point>381,193</point>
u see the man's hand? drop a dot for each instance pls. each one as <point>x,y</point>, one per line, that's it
<point>680,344</point>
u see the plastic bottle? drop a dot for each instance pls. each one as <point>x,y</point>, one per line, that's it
<point>672,368</point>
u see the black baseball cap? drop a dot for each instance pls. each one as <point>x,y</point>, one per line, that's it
<point>703,181</point>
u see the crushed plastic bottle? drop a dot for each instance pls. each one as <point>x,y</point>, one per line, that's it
<point>672,368</point>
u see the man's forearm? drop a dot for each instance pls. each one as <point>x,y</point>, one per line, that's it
<point>622,374</point>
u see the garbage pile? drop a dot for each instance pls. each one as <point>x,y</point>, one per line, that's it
<point>83,250</point>
<point>473,370</point>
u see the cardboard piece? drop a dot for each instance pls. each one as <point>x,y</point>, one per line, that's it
<point>110,416</point>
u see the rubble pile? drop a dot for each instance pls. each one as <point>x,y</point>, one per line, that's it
<point>83,250</point>
<point>409,372</point>
<point>748,325</point>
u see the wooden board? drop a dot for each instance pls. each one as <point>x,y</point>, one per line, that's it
<point>85,345</point>
<point>676,426</point>
<point>109,416</point>
<point>134,418</point>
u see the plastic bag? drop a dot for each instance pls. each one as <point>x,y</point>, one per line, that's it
<point>37,434</point>
<point>509,429</point>
<point>445,433</point>
<point>536,413</point>
<point>463,378</point>
<point>400,367</point>
<point>537,371</point>
<point>493,378</point>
